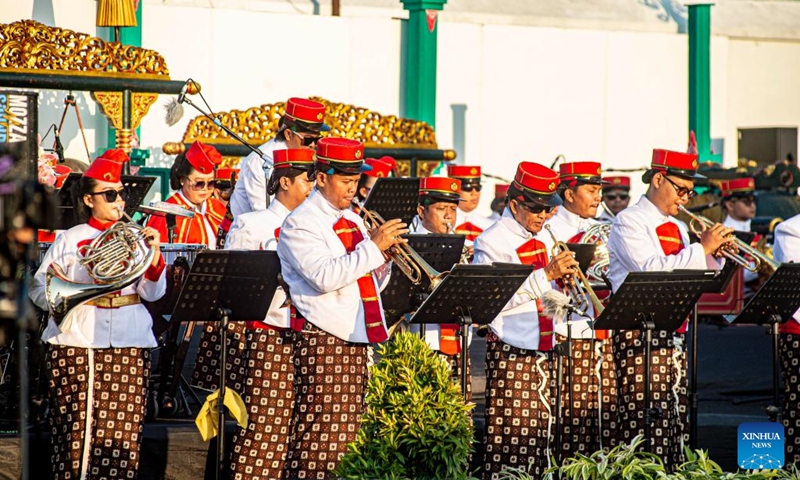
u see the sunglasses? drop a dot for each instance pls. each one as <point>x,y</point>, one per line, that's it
<point>197,186</point>
<point>618,196</point>
<point>681,191</point>
<point>111,196</point>
<point>469,188</point>
<point>536,209</point>
<point>746,200</point>
<point>307,141</point>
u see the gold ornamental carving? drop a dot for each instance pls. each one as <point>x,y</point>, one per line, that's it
<point>259,124</point>
<point>111,104</point>
<point>34,47</point>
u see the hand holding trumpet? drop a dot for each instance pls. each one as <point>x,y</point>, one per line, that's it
<point>717,238</point>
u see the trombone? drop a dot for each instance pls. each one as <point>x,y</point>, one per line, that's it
<point>406,258</point>
<point>761,262</point>
<point>580,288</point>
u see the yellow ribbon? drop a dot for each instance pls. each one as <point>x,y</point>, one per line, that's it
<point>208,418</point>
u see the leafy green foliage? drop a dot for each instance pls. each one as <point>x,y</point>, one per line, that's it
<point>628,462</point>
<point>416,424</point>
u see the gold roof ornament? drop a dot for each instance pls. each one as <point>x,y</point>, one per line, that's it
<point>28,46</point>
<point>258,125</point>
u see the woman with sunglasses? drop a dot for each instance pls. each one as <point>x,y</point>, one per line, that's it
<point>99,355</point>
<point>192,175</point>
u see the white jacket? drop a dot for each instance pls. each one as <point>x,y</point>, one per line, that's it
<point>787,245</point>
<point>250,194</point>
<point>321,275</point>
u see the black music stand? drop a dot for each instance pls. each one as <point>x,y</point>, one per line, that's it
<point>773,304</point>
<point>137,188</point>
<point>584,254</point>
<point>471,294</point>
<point>394,198</point>
<point>648,301</point>
<point>227,285</point>
<point>441,251</point>
<point>717,285</point>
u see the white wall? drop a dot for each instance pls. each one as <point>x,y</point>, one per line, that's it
<point>532,92</point>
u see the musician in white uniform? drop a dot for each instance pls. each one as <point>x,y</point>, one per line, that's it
<point>99,354</point>
<point>518,414</point>
<point>469,221</point>
<point>787,249</point>
<point>739,207</point>
<point>436,213</point>
<point>334,269</point>
<point>299,127</point>
<point>259,451</point>
<point>645,238</point>
<point>590,422</point>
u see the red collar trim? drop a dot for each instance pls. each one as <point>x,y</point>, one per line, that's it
<point>98,224</point>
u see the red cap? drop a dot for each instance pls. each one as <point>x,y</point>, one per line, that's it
<point>203,158</point>
<point>379,168</point>
<point>573,173</point>
<point>617,183</point>
<point>500,190</point>
<point>342,154</point>
<point>301,158</point>
<point>737,186</point>
<point>224,174</point>
<point>441,189</point>
<point>389,160</point>
<point>62,172</point>
<point>535,183</point>
<point>108,166</point>
<point>467,173</point>
<point>306,111</point>
<point>676,163</point>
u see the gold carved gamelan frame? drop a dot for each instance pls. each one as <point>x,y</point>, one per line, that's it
<point>30,47</point>
<point>257,125</point>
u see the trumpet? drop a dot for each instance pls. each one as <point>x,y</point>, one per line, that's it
<point>406,258</point>
<point>580,288</point>
<point>761,262</point>
<point>465,251</point>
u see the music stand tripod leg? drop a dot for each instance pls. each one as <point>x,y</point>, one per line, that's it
<point>224,315</point>
<point>466,321</point>
<point>649,413</point>
<point>774,411</point>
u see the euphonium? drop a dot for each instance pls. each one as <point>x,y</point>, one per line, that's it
<point>110,259</point>
<point>407,260</point>
<point>580,289</point>
<point>761,262</point>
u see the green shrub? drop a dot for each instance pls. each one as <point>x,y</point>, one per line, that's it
<point>416,424</point>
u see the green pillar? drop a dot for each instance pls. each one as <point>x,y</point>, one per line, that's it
<point>700,79</point>
<point>128,36</point>
<point>420,61</point>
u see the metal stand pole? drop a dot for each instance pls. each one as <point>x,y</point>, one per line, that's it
<point>693,398</point>
<point>223,314</point>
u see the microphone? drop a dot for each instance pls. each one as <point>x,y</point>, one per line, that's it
<point>556,305</point>
<point>59,149</point>
<point>700,208</point>
<point>184,91</point>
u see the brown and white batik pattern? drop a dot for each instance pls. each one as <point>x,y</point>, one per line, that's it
<point>518,419</point>
<point>98,401</point>
<point>455,366</point>
<point>206,370</point>
<point>259,450</point>
<point>330,378</point>
<point>589,417</point>
<point>790,369</point>
<point>668,387</point>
